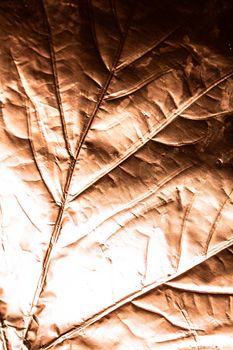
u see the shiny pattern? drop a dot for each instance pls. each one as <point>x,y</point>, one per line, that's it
<point>116,184</point>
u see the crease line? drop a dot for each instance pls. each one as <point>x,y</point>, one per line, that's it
<point>56,81</point>
<point>25,212</point>
<point>148,80</point>
<point>114,11</point>
<point>183,225</point>
<point>214,224</point>
<point>199,290</point>
<point>93,32</point>
<point>28,115</point>
<point>160,313</point>
<point>192,329</point>
<point>139,55</point>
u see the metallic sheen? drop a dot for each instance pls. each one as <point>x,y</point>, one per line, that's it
<point>116,179</point>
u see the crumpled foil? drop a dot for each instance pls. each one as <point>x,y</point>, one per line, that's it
<point>116,175</point>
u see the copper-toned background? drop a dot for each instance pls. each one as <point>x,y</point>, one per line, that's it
<point>116,180</point>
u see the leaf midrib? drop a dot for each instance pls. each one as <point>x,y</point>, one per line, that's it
<point>73,162</point>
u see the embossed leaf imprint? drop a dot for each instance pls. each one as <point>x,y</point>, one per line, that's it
<point>116,180</point>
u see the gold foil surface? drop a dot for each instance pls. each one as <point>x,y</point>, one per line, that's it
<point>116,175</point>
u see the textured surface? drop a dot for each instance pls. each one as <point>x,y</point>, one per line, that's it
<point>116,189</point>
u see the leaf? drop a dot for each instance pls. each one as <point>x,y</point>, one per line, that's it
<point>116,174</point>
